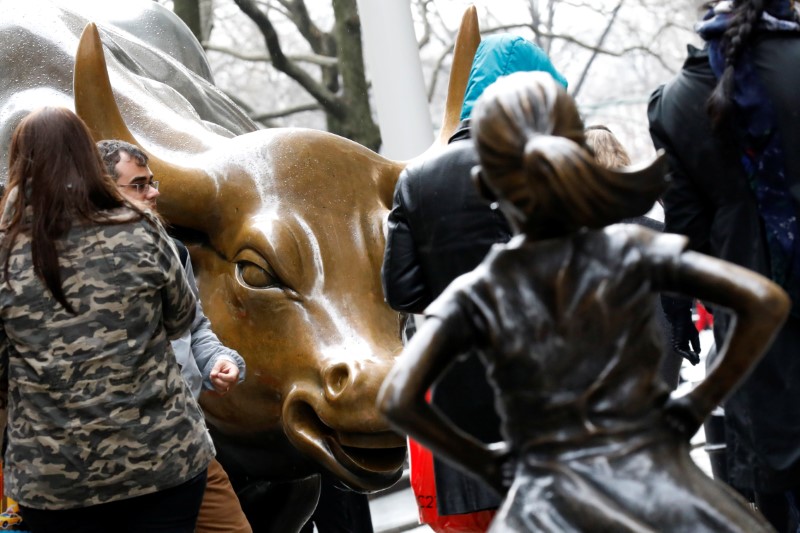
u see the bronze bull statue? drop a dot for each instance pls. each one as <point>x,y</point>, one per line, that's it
<point>286,232</point>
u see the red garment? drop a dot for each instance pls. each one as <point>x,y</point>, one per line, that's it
<point>705,320</point>
<point>423,484</point>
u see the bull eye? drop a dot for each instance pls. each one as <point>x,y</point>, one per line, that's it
<point>256,277</point>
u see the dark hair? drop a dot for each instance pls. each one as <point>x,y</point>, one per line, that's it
<point>534,159</point>
<point>110,151</point>
<point>744,21</point>
<point>55,169</point>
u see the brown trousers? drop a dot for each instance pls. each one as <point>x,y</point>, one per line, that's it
<point>220,511</point>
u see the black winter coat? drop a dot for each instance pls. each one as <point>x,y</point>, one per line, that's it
<point>710,202</point>
<point>440,228</point>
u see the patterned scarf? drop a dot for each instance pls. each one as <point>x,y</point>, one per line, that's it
<point>762,143</point>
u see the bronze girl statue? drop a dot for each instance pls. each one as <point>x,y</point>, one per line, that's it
<point>563,317</point>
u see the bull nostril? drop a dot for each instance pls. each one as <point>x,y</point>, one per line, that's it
<point>336,379</point>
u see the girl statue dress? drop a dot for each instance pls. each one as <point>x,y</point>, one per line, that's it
<point>563,318</point>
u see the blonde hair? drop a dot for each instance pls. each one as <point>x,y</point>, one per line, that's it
<point>608,151</point>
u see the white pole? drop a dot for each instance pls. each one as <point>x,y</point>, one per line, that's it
<point>393,65</point>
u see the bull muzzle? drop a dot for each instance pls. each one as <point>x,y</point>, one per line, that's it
<point>335,421</point>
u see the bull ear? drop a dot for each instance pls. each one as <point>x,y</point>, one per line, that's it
<point>467,41</point>
<point>187,193</point>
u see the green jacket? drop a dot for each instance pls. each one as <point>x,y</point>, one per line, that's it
<point>98,410</point>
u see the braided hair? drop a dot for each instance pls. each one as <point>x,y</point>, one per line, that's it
<point>741,31</point>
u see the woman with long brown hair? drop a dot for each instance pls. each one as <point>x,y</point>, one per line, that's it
<point>102,433</point>
<point>563,319</point>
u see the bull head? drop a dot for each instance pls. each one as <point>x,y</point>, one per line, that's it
<point>290,237</point>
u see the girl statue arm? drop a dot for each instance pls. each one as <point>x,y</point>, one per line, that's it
<point>760,306</point>
<point>402,400</point>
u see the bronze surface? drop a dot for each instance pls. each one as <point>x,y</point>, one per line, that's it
<point>285,228</point>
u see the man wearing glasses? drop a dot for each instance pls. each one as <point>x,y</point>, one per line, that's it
<point>127,164</point>
<point>205,362</point>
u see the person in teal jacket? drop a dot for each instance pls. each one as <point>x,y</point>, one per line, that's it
<point>440,228</point>
<point>500,55</point>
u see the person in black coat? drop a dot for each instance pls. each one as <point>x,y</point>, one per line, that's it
<point>453,229</point>
<point>440,228</point>
<point>730,124</point>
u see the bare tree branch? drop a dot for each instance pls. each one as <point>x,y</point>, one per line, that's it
<point>450,32</point>
<point>580,43</point>
<point>647,51</point>
<point>319,40</point>
<point>326,98</point>
<point>323,43</point>
<point>551,15</point>
<point>270,6</point>
<point>672,25</point>
<point>437,69</point>
<point>597,49</point>
<point>260,117</point>
<point>536,22</point>
<point>588,108</point>
<point>189,12</point>
<point>642,33</point>
<point>314,59</point>
<point>422,7</point>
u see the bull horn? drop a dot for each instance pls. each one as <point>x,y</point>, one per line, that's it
<point>467,41</point>
<point>185,190</point>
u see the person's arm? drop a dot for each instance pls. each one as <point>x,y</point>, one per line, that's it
<point>686,212</point>
<point>684,338</point>
<point>402,399</point>
<point>760,308</point>
<point>221,367</point>
<point>177,299</point>
<point>404,285</point>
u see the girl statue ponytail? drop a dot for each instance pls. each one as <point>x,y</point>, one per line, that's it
<point>535,161</point>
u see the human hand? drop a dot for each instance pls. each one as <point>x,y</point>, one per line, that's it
<point>500,467</point>
<point>686,342</point>
<point>681,416</point>
<point>224,375</point>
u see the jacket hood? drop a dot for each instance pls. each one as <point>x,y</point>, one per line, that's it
<point>501,55</point>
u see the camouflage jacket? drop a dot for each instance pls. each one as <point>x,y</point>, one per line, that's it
<point>97,409</point>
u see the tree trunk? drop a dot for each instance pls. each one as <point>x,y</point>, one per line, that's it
<point>189,12</point>
<point>357,123</point>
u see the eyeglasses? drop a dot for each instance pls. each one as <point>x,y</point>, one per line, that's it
<point>142,188</point>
